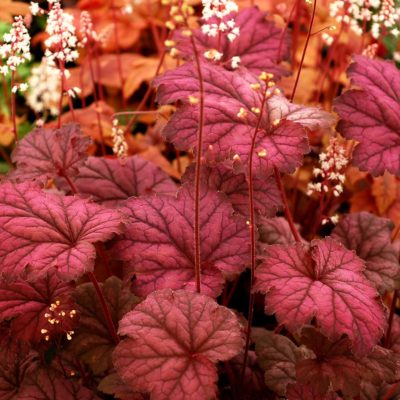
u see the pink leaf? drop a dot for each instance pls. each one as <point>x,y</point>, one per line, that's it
<point>221,178</point>
<point>110,182</point>
<point>27,303</point>
<point>158,242</point>
<point>298,391</point>
<point>227,135</point>
<point>174,340</point>
<point>275,231</point>
<point>42,231</point>
<point>261,45</point>
<point>370,237</point>
<point>48,384</point>
<point>277,356</point>
<point>50,153</point>
<point>92,341</point>
<point>325,282</point>
<point>371,115</point>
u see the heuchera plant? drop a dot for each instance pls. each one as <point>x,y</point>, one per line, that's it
<point>231,264</point>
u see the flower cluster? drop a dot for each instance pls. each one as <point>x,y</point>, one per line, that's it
<point>15,49</point>
<point>59,319</point>
<point>332,164</point>
<point>120,147</point>
<point>62,41</point>
<point>44,93</point>
<point>382,16</point>
<point>219,11</point>
<point>88,34</point>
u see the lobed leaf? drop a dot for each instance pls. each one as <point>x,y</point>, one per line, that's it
<point>261,45</point>
<point>111,182</point>
<point>92,342</point>
<point>26,303</point>
<point>50,153</point>
<point>370,115</point>
<point>325,282</point>
<point>41,231</point>
<point>174,340</point>
<point>158,243</point>
<point>370,237</point>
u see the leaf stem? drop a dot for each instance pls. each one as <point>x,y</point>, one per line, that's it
<point>199,153</point>
<point>304,50</point>
<point>106,311</point>
<point>252,229</point>
<point>288,214</point>
<point>391,316</point>
<point>14,107</point>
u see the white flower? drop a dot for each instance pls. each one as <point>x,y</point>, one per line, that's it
<point>235,62</point>
<point>34,8</point>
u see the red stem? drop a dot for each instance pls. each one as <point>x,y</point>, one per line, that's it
<point>286,205</point>
<point>304,50</point>
<point>14,107</point>
<point>391,316</point>
<point>196,224</point>
<point>106,311</point>
<point>252,229</point>
<point>392,389</point>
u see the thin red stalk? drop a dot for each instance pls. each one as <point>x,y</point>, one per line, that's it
<point>252,229</point>
<point>391,316</point>
<point>232,380</point>
<point>106,311</point>
<point>61,94</point>
<point>100,87</point>
<point>14,107</point>
<point>96,103</point>
<point>82,85</point>
<point>304,50</point>
<point>285,29</point>
<point>286,205</point>
<point>392,389</point>
<point>5,92</point>
<point>196,224</point>
<point>70,184</point>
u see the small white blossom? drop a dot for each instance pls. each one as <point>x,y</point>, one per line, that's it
<point>235,62</point>
<point>213,55</point>
<point>34,8</point>
<point>120,147</point>
<point>87,31</point>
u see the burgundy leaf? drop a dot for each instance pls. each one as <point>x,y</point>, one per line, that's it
<point>277,356</point>
<point>49,153</point>
<point>299,391</point>
<point>383,391</point>
<point>333,367</point>
<point>371,115</point>
<point>275,231</point>
<point>111,182</point>
<point>113,384</point>
<point>223,179</point>
<point>14,363</point>
<point>31,305</point>
<point>325,282</point>
<point>370,237</point>
<point>92,341</point>
<point>227,135</point>
<point>41,231</point>
<point>261,45</point>
<point>394,342</point>
<point>158,242</point>
<point>174,340</point>
<point>48,384</point>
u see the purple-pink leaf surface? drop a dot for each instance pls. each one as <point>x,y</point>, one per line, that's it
<point>111,181</point>
<point>41,231</point>
<point>158,244</point>
<point>371,115</point>
<point>261,45</point>
<point>174,339</point>
<point>325,282</point>
<point>227,134</point>
<point>370,237</point>
<point>50,153</point>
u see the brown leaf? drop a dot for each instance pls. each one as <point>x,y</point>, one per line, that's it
<point>384,191</point>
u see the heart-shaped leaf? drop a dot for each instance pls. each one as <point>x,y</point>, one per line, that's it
<point>370,237</point>
<point>111,182</point>
<point>174,340</point>
<point>372,115</point>
<point>158,243</point>
<point>325,282</point>
<point>230,118</point>
<point>50,153</point>
<point>41,231</point>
